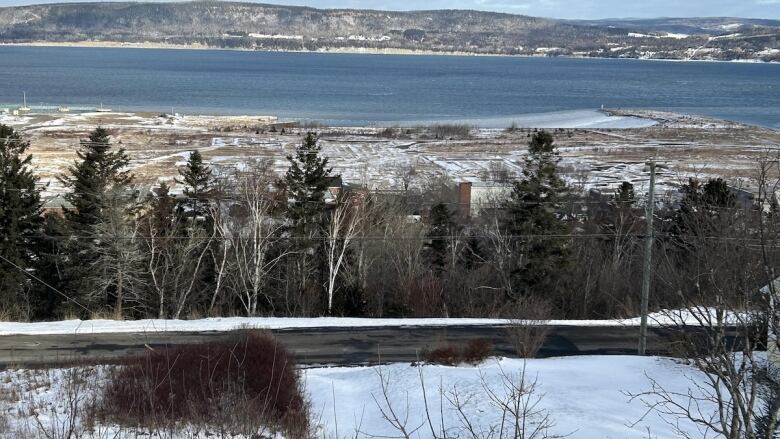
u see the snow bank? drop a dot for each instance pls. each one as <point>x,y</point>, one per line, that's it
<point>279,323</point>
<point>584,396</point>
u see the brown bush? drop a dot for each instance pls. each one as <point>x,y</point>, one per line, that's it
<point>446,355</point>
<point>246,383</point>
<point>475,352</point>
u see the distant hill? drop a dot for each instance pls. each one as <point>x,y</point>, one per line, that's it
<point>704,26</point>
<point>268,27</point>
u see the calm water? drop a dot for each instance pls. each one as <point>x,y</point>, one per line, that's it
<point>367,89</point>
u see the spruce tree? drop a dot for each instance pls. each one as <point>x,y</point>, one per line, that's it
<point>95,173</point>
<point>704,209</point>
<point>473,255</point>
<point>98,181</point>
<point>441,225</point>
<point>624,195</point>
<point>198,181</point>
<point>534,220</point>
<point>53,266</point>
<point>20,222</point>
<point>306,181</point>
<point>717,195</point>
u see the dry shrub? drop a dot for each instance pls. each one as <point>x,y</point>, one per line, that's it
<point>475,352</point>
<point>244,384</point>
<point>527,328</point>
<point>425,294</point>
<point>447,355</point>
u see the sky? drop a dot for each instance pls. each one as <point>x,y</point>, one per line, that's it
<point>574,9</point>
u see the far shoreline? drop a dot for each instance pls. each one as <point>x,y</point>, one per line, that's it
<point>350,51</point>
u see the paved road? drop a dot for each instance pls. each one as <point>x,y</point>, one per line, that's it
<point>344,346</point>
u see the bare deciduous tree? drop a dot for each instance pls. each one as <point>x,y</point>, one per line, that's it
<point>119,266</point>
<point>342,229</point>
<point>253,238</point>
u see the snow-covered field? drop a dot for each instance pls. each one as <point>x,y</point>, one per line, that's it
<point>599,149</point>
<point>584,397</point>
<point>665,318</point>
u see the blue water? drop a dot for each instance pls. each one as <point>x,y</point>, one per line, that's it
<point>369,89</point>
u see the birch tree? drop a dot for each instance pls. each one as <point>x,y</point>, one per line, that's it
<point>252,241</point>
<point>342,229</point>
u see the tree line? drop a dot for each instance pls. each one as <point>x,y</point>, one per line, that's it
<point>247,241</point>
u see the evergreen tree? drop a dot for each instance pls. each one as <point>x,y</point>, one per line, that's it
<point>195,219</point>
<point>704,209</point>
<point>94,174</point>
<point>306,181</point>
<point>98,181</point>
<point>473,255</point>
<point>20,222</point>
<point>52,264</point>
<point>441,225</point>
<point>160,217</point>
<point>717,195</point>
<point>534,220</point>
<point>624,195</point>
<point>198,181</point>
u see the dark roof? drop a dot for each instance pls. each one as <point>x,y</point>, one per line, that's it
<point>335,181</point>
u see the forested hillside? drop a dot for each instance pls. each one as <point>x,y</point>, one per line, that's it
<point>266,27</point>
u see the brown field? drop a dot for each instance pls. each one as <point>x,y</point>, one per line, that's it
<point>683,146</point>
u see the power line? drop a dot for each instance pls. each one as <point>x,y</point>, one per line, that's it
<point>107,237</point>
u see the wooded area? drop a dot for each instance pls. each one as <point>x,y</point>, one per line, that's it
<point>246,241</point>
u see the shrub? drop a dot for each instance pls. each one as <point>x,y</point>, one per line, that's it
<point>244,383</point>
<point>527,329</point>
<point>447,356</point>
<point>475,352</point>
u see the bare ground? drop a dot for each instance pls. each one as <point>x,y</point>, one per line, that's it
<point>684,146</point>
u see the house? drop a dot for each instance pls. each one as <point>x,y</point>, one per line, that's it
<point>334,189</point>
<point>474,198</point>
<point>744,198</point>
<point>56,205</point>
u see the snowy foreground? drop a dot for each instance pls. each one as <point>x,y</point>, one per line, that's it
<point>584,397</point>
<point>232,323</point>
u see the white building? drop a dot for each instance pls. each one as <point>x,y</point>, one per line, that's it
<point>477,197</point>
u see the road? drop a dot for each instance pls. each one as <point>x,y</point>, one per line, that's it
<point>340,346</point>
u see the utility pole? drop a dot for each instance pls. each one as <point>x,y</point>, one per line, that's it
<point>646,272</point>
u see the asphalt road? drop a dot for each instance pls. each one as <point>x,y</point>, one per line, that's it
<point>341,346</point>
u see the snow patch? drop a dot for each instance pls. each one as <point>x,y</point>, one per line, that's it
<point>666,318</point>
